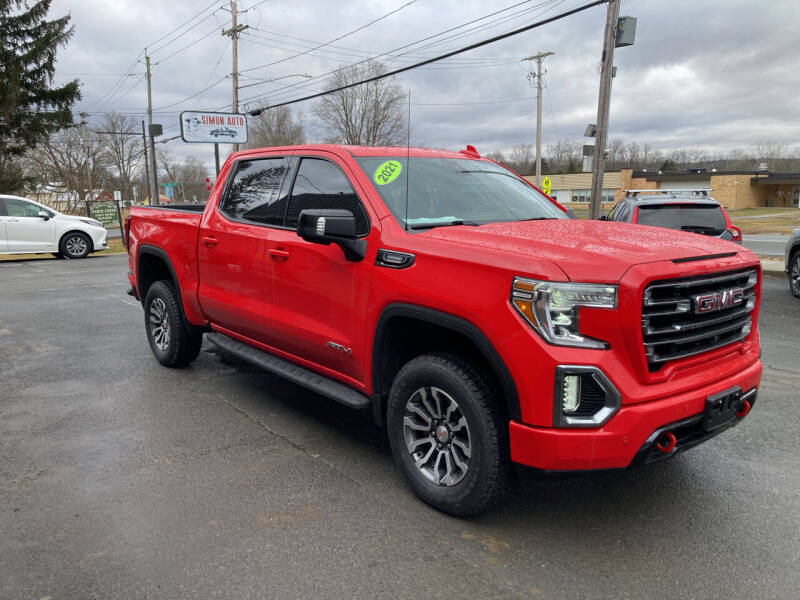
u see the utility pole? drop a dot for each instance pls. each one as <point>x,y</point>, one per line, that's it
<point>538,76</point>
<point>234,32</point>
<point>154,183</point>
<point>603,105</point>
<point>146,163</point>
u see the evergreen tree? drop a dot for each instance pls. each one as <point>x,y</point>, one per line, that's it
<point>30,109</point>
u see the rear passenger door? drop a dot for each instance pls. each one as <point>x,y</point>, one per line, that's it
<point>319,297</point>
<point>235,286</point>
<point>3,238</point>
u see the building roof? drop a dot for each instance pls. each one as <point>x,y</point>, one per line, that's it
<point>777,179</point>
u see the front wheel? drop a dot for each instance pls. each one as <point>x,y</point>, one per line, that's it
<point>794,274</point>
<point>75,245</point>
<point>174,341</point>
<point>448,435</point>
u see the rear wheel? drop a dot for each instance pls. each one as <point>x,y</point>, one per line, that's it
<point>448,435</point>
<point>174,341</point>
<point>75,245</point>
<point>794,274</point>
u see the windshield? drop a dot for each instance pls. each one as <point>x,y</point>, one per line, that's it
<point>688,217</point>
<point>453,191</point>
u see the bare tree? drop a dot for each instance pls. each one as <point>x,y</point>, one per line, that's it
<point>522,159</point>
<point>497,156</point>
<point>74,160</point>
<point>124,150</point>
<point>190,175</point>
<point>563,156</point>
<point>276,127</point>
<point>769,151</point>
<point>370,114</point>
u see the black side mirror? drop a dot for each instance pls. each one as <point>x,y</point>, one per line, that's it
<point>44,215</point>
<point>330,226</point>
<point>603,218</point>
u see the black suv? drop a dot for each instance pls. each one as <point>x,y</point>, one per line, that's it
<point>687,210</point>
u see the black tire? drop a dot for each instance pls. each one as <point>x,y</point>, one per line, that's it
<point>75,245</point>
<point>173,340</point>
<point>460,492</point>
<point>794,274</point>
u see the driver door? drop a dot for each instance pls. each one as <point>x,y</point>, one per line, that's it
<point>26,231</point>
<point>3,239</point>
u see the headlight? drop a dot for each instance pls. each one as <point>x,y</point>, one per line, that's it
<point>91,222</point>
<point>552,308</point>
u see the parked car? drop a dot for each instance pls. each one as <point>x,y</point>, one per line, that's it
<point>793,262</point>
<point>27,227</point>
<point>458,304</point>
<point>687,210</point>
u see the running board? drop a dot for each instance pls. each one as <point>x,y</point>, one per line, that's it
<point>318,383</point>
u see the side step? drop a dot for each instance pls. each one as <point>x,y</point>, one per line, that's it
<point>283,368</point>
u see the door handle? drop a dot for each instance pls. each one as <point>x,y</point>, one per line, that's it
<point>278,254</point>
<point>209,241</point>
<point>12,220</point>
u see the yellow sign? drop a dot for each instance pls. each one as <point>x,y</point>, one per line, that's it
<point>547,185</point>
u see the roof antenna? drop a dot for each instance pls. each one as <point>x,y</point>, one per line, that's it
<point>408,153</point>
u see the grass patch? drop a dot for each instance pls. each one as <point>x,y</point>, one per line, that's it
<point>115,246</point>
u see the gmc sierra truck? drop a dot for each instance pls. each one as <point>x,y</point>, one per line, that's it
<point>460,305</point>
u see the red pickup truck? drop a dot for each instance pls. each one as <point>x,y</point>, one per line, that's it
<point>477,321</point>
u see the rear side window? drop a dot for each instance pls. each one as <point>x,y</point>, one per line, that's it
<point>254,195</point>
<point>320,184</point>
<point>706,218</point>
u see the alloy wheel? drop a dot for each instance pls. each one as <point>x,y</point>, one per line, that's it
<point>76,245</point>
<point>159,324</point>
<point>794,275</point>
<point>437,436</point>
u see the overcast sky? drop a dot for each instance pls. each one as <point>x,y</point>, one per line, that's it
<point>717,74</point>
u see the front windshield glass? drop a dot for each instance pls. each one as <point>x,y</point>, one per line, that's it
<point>453,191</point>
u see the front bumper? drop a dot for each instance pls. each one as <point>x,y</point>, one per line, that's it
<point>618,441</point>
<point>99,239</point>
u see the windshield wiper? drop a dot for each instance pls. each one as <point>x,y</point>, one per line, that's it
<point>445,224</point>
<point>537,219</point>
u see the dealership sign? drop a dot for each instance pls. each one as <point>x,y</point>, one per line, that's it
<point>213,127</point>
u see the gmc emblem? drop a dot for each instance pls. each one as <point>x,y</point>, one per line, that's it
<point>706,303</point>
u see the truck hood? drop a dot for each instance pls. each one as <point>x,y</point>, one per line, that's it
<point>586,250</point>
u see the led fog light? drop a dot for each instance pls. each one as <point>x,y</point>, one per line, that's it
<point>583,397</point>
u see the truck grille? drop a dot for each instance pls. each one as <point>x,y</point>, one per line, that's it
<point>684,317</point>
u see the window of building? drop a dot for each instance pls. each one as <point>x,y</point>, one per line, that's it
<point>320,184</point>
<point>586,195</point>
<point>254,194</point>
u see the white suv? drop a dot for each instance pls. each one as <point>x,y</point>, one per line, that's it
<point>27,227</point>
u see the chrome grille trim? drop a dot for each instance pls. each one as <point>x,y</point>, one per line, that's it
<point>672,327</point>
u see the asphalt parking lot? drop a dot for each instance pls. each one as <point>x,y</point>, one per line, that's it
<point>123,479</point>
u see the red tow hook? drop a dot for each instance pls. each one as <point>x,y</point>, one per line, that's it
<point>668,444</point>
<point>743,409</point>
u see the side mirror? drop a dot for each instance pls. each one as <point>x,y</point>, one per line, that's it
<point>329,226</point>
<point>42,214</point>
<point>603,218</point>
<point>571,214</point>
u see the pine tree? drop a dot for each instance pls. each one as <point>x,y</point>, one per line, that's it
<point>30,109</point>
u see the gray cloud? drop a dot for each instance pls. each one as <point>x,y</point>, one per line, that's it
<point>717,74</point>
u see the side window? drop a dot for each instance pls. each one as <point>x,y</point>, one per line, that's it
<point>321,184</point>
<point>20,208</point>
<point>254,194</point>
<point>612,216</point>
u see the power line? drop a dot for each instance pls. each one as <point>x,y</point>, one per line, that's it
<point>491,40</point>
<point>189,45</point>
<point>392,53</point>
<point>334,39</point>
<point>169,33</point>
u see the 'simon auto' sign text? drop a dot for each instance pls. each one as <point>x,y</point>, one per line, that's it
<point>213,127</point>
